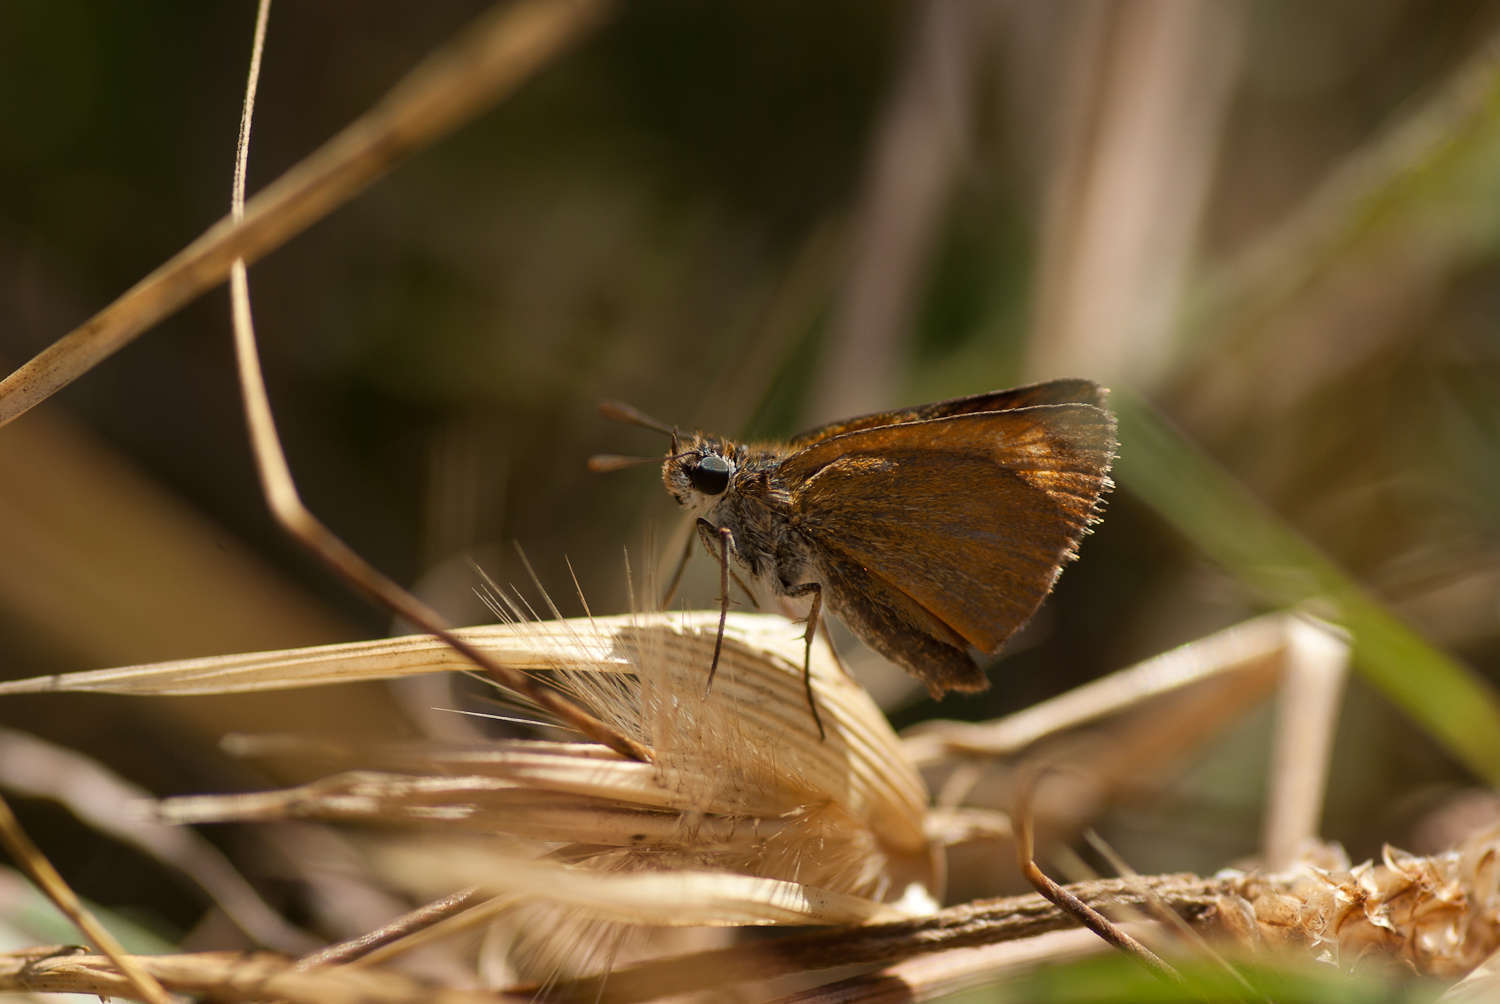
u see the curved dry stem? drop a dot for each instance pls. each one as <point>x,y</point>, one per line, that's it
<point>1068,902</point>
<point>488,60</point>
<point>287,508</point>
<point>395,933</point>
<point>134,977</point>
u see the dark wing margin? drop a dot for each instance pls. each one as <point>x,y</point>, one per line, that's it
<point>1051,392</point>
<point>971,516</point>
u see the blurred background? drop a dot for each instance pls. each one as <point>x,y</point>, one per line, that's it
<point>1279,223</point>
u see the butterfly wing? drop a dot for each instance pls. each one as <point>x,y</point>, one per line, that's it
<point>1052,392</point>
<point>970,517</point>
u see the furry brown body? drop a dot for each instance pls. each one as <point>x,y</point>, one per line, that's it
<point>927,531</point>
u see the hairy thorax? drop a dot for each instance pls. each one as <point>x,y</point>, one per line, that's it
<point>756,508</point>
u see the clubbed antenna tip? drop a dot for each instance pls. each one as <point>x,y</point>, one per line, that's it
<point>603,463</point>
<point>618,411</point>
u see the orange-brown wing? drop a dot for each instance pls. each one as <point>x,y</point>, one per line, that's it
<point>971,517</point>
<point>1051,392</point>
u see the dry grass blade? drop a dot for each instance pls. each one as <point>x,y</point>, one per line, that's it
<point>1307,715</point>
<point>744,816</point>
<point>225,976</point>
<point>298,521</point>
<point>347,662</point>
<point>1246,659</point>
<point>491,58</point>
<point>135,979</point>
<point>111,805</point>
<point>755,705</point>
<point>757,648</point>
<point>681,897</point>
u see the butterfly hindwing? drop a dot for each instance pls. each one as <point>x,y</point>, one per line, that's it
<point>970,516</point>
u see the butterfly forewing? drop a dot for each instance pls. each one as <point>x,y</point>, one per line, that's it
<point>971,516</point>
<point>1052,392</point>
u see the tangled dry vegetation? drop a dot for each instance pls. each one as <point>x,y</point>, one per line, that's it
<point>584,875</point>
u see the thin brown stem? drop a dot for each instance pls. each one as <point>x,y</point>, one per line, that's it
<point>402,927</point>
<point>40,870</point>
<point>488,60</point>
<point>288,510</point>
<point>1170,919</point>
<point>1067,901</point>
<point>971,924</point>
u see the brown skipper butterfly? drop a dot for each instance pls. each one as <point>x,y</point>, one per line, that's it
<point>928,531</point>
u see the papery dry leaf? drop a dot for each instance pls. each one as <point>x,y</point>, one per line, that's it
<point>745,817</point>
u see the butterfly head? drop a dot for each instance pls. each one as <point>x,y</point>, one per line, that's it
<point>698,472</point>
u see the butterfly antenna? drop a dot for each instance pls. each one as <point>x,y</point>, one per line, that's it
<point>603,463</point>
<point>618,411</point>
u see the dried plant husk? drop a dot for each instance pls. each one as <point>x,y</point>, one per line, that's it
<point>745,816</point>
<point>1438,915</point>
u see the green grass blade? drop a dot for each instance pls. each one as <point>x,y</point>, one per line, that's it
<point>1236,531</point>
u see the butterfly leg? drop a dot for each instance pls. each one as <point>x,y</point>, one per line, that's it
<point>725,540</point>
<point>813,620</point>
<point>687,551</point>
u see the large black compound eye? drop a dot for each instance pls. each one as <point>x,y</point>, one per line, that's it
<point>710,475</point>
